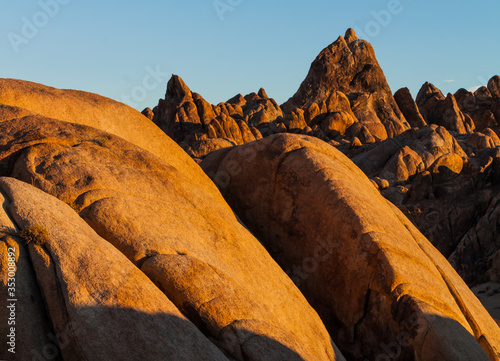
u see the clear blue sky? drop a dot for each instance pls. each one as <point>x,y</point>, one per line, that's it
<point>110,47</point>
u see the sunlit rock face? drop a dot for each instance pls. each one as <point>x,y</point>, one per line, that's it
<point>441,172</point>
<point>349,66</point>
<point>441,110</point>
<point>297,238</point>
<point>370,274</point>
<point>345,95</point>
<point>123,254</point>
<point>201,128</point>
<point>345,100</point>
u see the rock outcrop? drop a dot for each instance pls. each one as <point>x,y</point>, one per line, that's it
<point>482,106</point>
<point>226,295</point>
<point>192,122</point>
<point>372,277</point>
<point>409,108</point>
<point>121,247</point>
<point>91,291</point>
<point>442,173</point>
<point>95,111</point>
<point>441,110</point>
<point>413,152</point>
<point>494,86</point>
<point>444,186</point>
<point>344,96</point>
<point>349,66</point>
<point>442,179</point>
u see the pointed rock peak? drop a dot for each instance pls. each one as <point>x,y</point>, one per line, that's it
<point>340,41</point>
<point>350,36</point>
<point>177,90</point>
<point>347,68</point>
<point>251,97</point>
<point>148,113</point>
<point>353,70</point>
<point>483,92</point>
<point>494,86</point>
<point>462,92</point>
<point>238,99</point>
<point>426,92</point>
<point>262,93</point>
<point>450,97</point>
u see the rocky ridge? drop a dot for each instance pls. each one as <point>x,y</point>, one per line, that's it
<point>130,236</point>
<point>435,157</point>
<point>371,276</point>
<point>344,96</point>
<point>291,242</point>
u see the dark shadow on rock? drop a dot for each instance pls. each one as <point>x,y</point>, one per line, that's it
<point>88,339</point>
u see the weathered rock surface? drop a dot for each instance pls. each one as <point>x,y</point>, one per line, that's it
<point>442,173</point>
<point>154,216</point>
<point>482,106</point>
<point>33,333</point>
<point>445,204</point>
<point>372,277</point>
<point>11,112</point>
<point>101,306</point>
<point>475,255</point>
<point>188,118</point>
<point>98,112</point>
<point>148,113</point>
<point>408,154</point>
<point>441,110</point>
<point>203,147</point>
<point>483,140</point>
<point>446,193</point>
<point>409,108</point>
<point>349,66</point>
<point>359,261</point>
<point>494,86</point>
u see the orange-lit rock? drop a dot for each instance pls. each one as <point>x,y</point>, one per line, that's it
<point>139,209</point>
<point>349,66</point>
<point>369,273</point>
<point>409,108</point>
<point>187,117</point>
<point>441,110</point>
<point>101,306</point>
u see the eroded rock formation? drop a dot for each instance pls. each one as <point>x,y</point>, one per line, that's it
<point>184,279</point>
<point>442,173</point>
<point>441,110</point>
<point>125,249</point>
<point>349,66</point>
<point>195,124</point>
<point>370,274</point>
